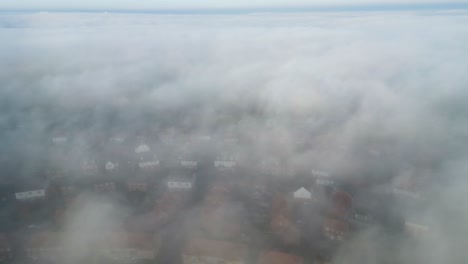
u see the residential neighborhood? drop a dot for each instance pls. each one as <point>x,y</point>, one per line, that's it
<point>184,206</point>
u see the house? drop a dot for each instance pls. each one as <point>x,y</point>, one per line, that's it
<point>31,195</point>
<point>137,186</point>
<point>222,217</point>
<point>182,182</point>
<point>202,251</point>
<point>68,193</point>
<point>105,186</point>
<point>302,194</point>
<point>282,224</point>
<point>128,247</point>
<point>363,215</point>
<point>147,160</point>
<point>89,166</point>
<point>276,257</point>
<point>335,229</point>
<point>407,185</point>
<point>142,148</point>
<point>225,161</point>
<point>137,190</point>
<point>169,205</point>
<point>148,163</point>
<point>188,157</point>
<point>259,205</point>
<point>322,178</point>
<point>32,203</point>
<point>44,246</point>
<point>416,230</point>
<point>341,204</point>
<point>111,167</point>
<point>271,166</point>
<point>59,138</point>
<point>117,139</point>
<point>6,254</point>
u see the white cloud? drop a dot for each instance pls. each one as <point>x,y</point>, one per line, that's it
<point>392,83</point>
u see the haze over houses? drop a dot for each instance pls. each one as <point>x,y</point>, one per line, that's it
<point>207,200</point>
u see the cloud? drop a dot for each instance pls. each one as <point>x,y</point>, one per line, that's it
<point>359,94</point>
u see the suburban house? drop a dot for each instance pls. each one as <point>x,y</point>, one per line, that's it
<point>59,138</point>
<point>226,161</point>
<point>187,156</point>
<point>282,224</point>
<point>181,182</point>
<point>407,185</point>
<point>302,194</point>
<point>137,190</point>
<point>259,205</point>
<point>222,217</point>
<point>276,257</point>
<point>271,166</point>
<point>107,186</point>
<point>322,178</point>
<point>336,226</point>
<point>341,204</point>
<point>89,166</point>
<point>137,186</point>
<point>31,195</point>
<point>202,251</point>
<point>146,158</point>
<point>335,229</point>
<point>6,254</point>
<point>416,230</point>
<point>128,247</point>
<point>44,247</point>
<point>168,205</point>
<point>148,163</point>
<point>111,166</point>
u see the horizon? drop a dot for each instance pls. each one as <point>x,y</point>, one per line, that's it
<point>259,9</point>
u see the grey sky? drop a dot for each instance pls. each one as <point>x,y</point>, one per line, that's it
<point>187,4</point>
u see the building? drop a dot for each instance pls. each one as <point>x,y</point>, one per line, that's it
<point>336,226</point>
<point>416,230</point>
<point>128,247</point>
<point>202,251</point>
<point>302,194</point>
<point>322,178</point>
<point>258,204</point>
<point>282,224</point>
<point>44,247</point>
<point>335,229</point>
<point>272,166</point>
<point>137,191</point>
<point>188,154</point>
<point>341,204</point>
<point>31,195</point>
<point>6,253</point>
<point>175,196</point>
<point>111,166</point>
<point>221,217</point>
<point>89,166</point>
<point>276,257</point>
<point>225,161</point>
<point>105,186</point>
<point>147,160</point>
<point>181,181</point>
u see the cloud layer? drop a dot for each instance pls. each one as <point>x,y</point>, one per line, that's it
<point>373,94</point>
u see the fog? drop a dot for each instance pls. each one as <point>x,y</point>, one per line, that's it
<point>370,96</point>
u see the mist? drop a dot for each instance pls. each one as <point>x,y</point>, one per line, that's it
<point>370,97</point>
